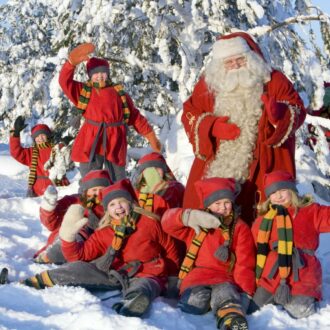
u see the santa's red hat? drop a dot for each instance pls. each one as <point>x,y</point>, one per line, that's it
<point>278,180</point>
<point>95,65</point>
<point>96,178</point>
<point>120,189</point>
<point>212,189</point>
<point>224,48</point>
<point>40,129</point>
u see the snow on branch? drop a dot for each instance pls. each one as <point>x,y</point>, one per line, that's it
<point>261,30</point>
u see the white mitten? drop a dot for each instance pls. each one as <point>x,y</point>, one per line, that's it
<point>197,219</point>
<point>49,199</point>
<point>72,222</point>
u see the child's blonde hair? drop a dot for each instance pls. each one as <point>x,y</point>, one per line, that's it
<point>297,202</point>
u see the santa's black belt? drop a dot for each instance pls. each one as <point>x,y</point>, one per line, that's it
<point>297,261</point>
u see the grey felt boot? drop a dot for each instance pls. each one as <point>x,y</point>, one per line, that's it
<point>135,304</point>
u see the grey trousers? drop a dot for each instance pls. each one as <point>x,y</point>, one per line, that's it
<point>298,307</point>
<point>199,299</point>
<point>54,251</point>
<point>88,276</point>
<point>116,172</point>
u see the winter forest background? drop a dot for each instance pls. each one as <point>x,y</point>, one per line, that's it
<point>157,49</point>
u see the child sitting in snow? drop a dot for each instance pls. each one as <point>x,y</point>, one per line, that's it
<point>52,212</point>
<point>157,188</point>
<point>287,235</point>
<point>218,270</point>
<point>35,157</point>
<point>129,250</point>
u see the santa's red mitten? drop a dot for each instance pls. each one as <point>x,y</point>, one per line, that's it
<point>223,130</point>
<point>275,110</point>
<point>80,53</point>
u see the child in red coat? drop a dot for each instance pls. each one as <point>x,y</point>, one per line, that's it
<point>108,111</point>
<point>219,266</point>
<point>157,188</point>
<point>287,236</point>
<point>128,251</point>
<point>35,157</point>
<point>52,212</point>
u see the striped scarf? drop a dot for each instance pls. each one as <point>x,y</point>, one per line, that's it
<point>123,228</point>
<point>146,201</point>
<point>86,91</point>
<point>34,161</point>
<point>190,258</point>
<point>222,252</point>
<point>285,243</point>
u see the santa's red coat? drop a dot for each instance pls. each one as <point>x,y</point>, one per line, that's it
<point>24,156</point>
<point>147,244</point>
<point>52,220</point>
<point>307,225</point>
<point>208,270</point>
<point>105,106</point>
<point>274,150</point>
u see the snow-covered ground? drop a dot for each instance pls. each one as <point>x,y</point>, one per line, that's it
<point>21,234</point>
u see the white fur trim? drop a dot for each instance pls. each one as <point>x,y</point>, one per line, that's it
<point>292,109</point>
<point>47,206</point>
<point>196,135</point>
<point>229,47</point>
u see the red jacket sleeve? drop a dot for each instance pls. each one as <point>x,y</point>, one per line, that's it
<point>322,218</point>
<point>283,91</point>
<point>244,249</point>
<point>136,119</point>
<point>171,253</point>
<point>22,155</point>
<point>172,225</point>
<point>173,194</point>
<point>70,87</point>
<point>94,247</point>
<point>52,219</point>
<point>198,119</point>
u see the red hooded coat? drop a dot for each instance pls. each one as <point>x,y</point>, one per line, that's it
<point>208,269</point>
<point>24,156</point>
<point>275,147</point>
<point>148,244</point>
<point>307,225</point>
<point>104,107</point>
<point>52,220</point>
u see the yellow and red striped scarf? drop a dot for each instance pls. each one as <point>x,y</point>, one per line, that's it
<point>146,201</point>
<point>285,240</point>
<point>191,255</point>
<point>123,228</point>
<point>34,161</point>
<point>86,91</point>
<point>189,259</point>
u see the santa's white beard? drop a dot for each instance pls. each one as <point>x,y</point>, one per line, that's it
<point>243,107</point>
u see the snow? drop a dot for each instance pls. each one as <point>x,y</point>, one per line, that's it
<point>21,234</point>
<point>180,33</point>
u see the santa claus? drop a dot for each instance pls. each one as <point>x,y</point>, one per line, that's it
<point>241,120</point>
